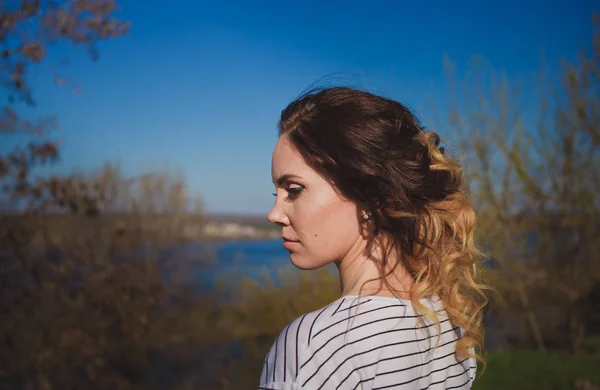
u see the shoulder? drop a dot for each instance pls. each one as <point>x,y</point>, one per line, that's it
<point>318,347</point>
<point>284,359</point>
<point>352,341</point>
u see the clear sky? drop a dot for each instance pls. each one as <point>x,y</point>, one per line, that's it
<point>198,86</point>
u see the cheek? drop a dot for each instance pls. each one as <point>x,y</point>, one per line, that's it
<point>315,216</point>
<point>328,227</point>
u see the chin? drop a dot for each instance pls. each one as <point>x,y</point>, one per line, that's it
<point>305,263</point>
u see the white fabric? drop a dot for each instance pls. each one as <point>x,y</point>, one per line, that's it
<point>374,344</point>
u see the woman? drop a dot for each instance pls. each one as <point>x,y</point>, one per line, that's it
<point>359,182</point>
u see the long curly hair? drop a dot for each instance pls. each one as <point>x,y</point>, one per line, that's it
<point>377,153</point>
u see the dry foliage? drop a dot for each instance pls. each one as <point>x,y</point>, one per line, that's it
<point>536,184</point>
<point>95,302</point>
<point>28,30</point>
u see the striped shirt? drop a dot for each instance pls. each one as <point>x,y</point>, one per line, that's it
<point>376,344</point>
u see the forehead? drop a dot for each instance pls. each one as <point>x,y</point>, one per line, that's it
<point>287,160</point>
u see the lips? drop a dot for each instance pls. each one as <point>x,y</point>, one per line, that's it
<point>290,244</point>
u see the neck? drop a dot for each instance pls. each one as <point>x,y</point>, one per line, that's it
<point>360,272</point>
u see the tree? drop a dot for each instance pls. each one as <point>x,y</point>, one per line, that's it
<point>536,188</point>
<point>95,303</point>
<point>28,29</point>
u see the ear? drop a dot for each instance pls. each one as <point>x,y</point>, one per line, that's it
<point>366,222</point>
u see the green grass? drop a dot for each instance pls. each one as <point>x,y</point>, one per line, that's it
<point>520,370</point>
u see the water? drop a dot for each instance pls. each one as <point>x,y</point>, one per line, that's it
<point>231,261</point>
<point>252,255</point>
<point>251,259</point>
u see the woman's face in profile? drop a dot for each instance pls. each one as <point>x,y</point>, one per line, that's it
<point>317,224</point>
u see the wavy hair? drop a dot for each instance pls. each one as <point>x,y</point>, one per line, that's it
<point>376,152</point>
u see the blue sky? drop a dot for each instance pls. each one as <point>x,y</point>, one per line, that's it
<point>198,86</point>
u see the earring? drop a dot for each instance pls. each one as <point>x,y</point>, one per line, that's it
<point>367,215</point>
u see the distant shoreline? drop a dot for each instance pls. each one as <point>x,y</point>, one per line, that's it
<point>216,239</point>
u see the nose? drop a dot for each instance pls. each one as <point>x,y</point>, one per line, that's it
<point>277,216</point>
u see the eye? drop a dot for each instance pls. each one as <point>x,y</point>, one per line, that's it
<point>294,191</point>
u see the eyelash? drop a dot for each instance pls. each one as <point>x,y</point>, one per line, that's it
<point>293,193</point>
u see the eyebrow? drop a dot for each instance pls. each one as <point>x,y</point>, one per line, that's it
<point>283,178</point>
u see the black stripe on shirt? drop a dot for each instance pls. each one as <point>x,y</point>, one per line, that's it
<point>446,378</point>
<point>275,358</point>
<point>359,340</point>
<point>338,308</point>
<point>370,311</point>
<point>315,320</point>
<point>285,352</point>
<point>461,385</point>
<point>267,366</point>
<point>388,358</point>
<point>421,377</point>
<point>373,335</point>
<point>359,303</point>
<point>297,334</point>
